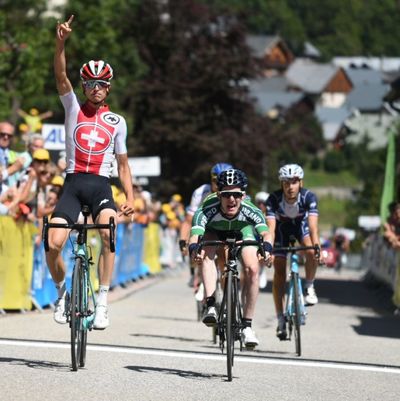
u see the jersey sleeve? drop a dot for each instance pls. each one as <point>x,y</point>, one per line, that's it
<point>69,100</point>
<point>199,223</point>
<point>120,138</point>
<point>272,207</point>
<point>311,204</point>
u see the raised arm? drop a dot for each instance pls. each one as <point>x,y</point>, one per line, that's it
<point>60,65</point>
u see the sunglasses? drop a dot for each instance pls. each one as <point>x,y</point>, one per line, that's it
<point>5,135</point>
<point>235,194</point>
<point>93,83</point>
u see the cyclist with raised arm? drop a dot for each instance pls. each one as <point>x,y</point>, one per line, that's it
<point>95,136</point>
<point>199,194</point>
<point>292,211</point>
<point>222,214</point>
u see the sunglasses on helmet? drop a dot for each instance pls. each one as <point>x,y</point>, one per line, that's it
<point>235,194</point>
<point>96,82</point>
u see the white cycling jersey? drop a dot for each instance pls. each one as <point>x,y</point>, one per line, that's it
<point>92,137</point>
<point>199,194</point>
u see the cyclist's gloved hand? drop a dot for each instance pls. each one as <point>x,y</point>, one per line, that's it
<point>182,245</point>
<point>193,250</point>
<point>267,246</point>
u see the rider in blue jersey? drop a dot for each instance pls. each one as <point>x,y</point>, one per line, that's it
<point>292,211</point>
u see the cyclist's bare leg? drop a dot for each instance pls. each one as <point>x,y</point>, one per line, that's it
<point>57,239</point>
<point>209,272</point>
<point>278,285</point>
<point>107,266</point>
<point>251,287</point>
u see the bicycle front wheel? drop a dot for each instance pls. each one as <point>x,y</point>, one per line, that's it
<point>78,332</point>
<point>230,324</point>
<point>297,313</point>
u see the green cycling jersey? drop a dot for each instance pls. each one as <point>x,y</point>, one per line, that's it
<point>210,217</point>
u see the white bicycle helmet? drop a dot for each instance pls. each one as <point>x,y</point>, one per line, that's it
<point>261,196</point>
<point>290,171</point>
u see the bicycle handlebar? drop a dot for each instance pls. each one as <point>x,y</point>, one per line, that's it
<point>230,243</point>
<point>80,227</point>
<point>295,249</point>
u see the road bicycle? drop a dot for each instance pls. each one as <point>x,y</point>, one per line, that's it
<point>80,316</point>
<point>229,322</point>
<point>295,308</point>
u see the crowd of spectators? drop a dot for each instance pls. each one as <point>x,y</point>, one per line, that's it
<point>391,228</point>
<point>30,183</point>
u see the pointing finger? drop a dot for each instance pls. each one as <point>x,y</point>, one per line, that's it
<point>71,18</point>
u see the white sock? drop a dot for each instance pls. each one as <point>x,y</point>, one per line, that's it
<point>309,284</point>
<point>61,289</point>
<point>102,297</point>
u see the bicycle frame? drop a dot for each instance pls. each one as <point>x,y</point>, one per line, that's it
<point>79,316</point>
<point>229,323</point>
<point>294,275</point>
<point>295,309</point>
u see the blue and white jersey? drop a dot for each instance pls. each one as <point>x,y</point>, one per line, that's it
<point>297,212</point>
<point>199,194</point>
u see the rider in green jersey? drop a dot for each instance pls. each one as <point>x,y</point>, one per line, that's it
<point>220,215</point>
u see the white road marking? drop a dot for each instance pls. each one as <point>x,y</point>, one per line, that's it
<point>192,355</point>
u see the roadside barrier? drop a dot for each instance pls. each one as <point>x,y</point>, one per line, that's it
<point>25,279</point>
<point>383,262</point>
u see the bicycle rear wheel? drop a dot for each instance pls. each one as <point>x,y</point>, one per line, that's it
<point>78,333</point>
<point>297,313</point>
<point>230,324</point>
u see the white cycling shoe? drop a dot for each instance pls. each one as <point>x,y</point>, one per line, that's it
<point>311,296</point>
<point>249,338</point>
<point>60,315</point>
<point>101,320</point>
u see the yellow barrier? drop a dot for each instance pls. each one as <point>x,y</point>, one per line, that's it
<point>151,252</point>
<point>16,262</point>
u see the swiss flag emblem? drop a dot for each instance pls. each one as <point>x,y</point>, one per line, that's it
<point>92,138</point>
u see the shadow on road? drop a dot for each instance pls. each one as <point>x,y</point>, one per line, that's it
<point>183,339</point>
<point>186,374</point>
<point>362,293</point>
<point>34,364</point>
<point>383,326</point>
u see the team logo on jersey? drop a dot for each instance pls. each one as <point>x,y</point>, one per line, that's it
<point>110,118</point>
<point>92,138</point>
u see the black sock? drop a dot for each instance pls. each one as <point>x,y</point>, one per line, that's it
<point>210,301</point>
<point>247,322</point>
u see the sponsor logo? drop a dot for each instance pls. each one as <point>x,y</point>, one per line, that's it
<point>252,215</point>
<point>110,118</point>
<point>91,138</point>
<point>103,201</point>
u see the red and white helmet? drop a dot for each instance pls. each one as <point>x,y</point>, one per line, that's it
<point>96,70</point>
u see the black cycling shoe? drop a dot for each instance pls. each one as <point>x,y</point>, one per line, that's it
<point>281,333</point>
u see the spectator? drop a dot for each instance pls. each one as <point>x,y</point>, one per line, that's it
<point>7,156</point>
<point>391,229</point>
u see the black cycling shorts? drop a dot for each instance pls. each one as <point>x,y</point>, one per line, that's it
<point>84,189</point>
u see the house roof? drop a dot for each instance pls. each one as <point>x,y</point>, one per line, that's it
<point>362,76</point>
<point>261,43</point>
<point>273,84</point>
<point>367,97</point>
<point>377,63</point>
<point>311,51</point>
<point>270,100</point>
<point>332,120</point>
<point>309,76</point>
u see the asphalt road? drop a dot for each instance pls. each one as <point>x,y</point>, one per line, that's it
<point>156,350</point>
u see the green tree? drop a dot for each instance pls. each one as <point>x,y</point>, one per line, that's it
<point>24,55</point>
